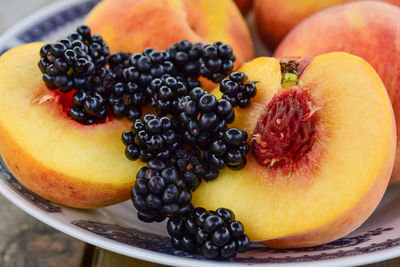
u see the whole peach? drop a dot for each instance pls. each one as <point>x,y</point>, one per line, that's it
<point>276,18</point>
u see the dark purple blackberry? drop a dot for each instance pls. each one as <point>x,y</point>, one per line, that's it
<point>117,63</point>
<point>103,81</point>
<point>216,61</point>
<point>190,165</point>
<point>65,65</point>
<point>71,62</point>
<point>214,234</point>
<point>126,100</point>
<point>203,118</point>
<point>146,66</point>
<point>237,89</point>
<point>89,107</point>
<point>152,138</point>
<point>166,92</point>
<point>160,192</point>
<point>185,57</point>
<point>229,150</point>
<point>132,91</point>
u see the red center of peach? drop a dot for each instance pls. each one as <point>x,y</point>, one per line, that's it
<point>284,131</point>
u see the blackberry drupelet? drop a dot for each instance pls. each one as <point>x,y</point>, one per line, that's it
<point>216,61</point>
<point>237,89</point>
<point>71,62</point>
<point>152,138</point>
<point>166,92</point>
<point>190,166</point>
<point>214,234</point>
<point>229,150</point>
<point>203,118</point>
<point>159,192</point>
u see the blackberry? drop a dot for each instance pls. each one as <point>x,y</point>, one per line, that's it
<point>132,91</point>
<point>229,150</point>
<point>146,66</point>
<point>103,80</point>
<point>216,61</point>
<point>89,107</point>
<point>203,117</point>
<point>127,100</point>
<point>166,92</point>
<point>189,164</point>
<point>159,192</point>
<point>117,63</point>
<point>152,138</point>
<point>189,82</point>
<point>185,57</point>
<point>237,89</point>
<point>214,234</point>
<point>71,62</point>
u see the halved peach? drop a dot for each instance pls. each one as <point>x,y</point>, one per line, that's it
<point>54,156</point>
<point>329,186</point>
<point>368,29</point>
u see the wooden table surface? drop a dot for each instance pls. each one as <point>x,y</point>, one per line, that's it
<point>27,242</point>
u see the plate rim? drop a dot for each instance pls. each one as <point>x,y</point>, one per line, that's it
<point>136,252</point>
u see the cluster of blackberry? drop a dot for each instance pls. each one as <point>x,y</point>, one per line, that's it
<point>203,118</point>
<point>217,61</point>
<point>125,82</point>
<point>152,138</point>
<point>159,192</point>
<point>215,234</point>
<point>188,139</point>
<point>229,150</point>
<point>78,62</point>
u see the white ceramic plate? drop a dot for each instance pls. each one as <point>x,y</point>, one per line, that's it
<point>116,227</point>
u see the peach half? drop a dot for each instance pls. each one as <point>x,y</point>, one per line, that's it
<point>370,30</point>
<point>133,25</point>
<point>55,157</point>
<point>322,156</point>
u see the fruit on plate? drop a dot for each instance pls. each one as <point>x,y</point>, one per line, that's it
<point>323,146</point>
<point>133,25</point>
<point>273,26</point>
<point>367,29</point>
<point>33,127</point>
<point>244,5</point>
